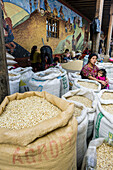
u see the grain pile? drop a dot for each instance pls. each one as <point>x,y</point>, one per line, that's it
<point>107,96</point>
<point>105,157</point>
<point>27,112</point>
<point>108,108</point>
<point>73,65</point>
<point>81,99</point>
<point>88,85</point>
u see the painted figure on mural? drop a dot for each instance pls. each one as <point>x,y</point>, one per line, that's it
<point>61,12</point>
<point>55,12</point>
<point>8,34</point>
<point>47,7</point>
<point>73,43</point>
<point>74,23</point>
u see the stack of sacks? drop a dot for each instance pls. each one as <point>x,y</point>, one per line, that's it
<point>82,118</point>
<point>40,134</point>
<point>87,84</point>
<point>14,81</point>
<point>52,80</point>
<point>99,155</point>
<point>26,74</point>
<point>72,77</point>
<point>73,66</point>
<point>108,67</point>
<point>103,124</point>
<point>10,59</point>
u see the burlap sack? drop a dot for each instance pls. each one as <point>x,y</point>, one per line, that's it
<point>49,145</point>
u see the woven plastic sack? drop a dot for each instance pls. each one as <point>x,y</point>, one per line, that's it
<point>14,82</point>
<point>91,111</point>
<point>111,83</point>
<point>9,56</point>
<point>90,158</point>
<point>50,144</point>
<point>64,87</point>
<point>103,123</point>
<point>72,77</point>
<point>108,94</point>
<point>77,85</point>
<point>26,73</point>
<point>46,81</point>
<point>82,129</point>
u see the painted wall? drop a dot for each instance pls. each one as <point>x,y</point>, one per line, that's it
<point>28,25</point>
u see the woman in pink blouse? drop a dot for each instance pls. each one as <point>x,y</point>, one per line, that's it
<point>90,70</point>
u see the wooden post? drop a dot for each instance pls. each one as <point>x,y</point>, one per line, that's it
<point>109,32</point>
<point>96,37</point>
<point>4,82</point>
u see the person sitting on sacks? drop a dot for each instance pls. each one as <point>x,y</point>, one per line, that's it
<point>90,70</point>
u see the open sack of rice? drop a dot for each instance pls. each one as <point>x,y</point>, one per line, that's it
<point>52,80</point>
<point>14,80</point>
<point>37,131</point>
<point>72,77</point>
<point>73,66</point>
<point>26,74</point>
<point>99,155</point>
<point>105,96</point>
<point>87,84</point>
<point>103,123</point>
<point>89,100</point>
<point>82,118</point>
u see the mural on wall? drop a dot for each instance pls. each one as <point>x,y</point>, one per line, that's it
<point>19,12</point>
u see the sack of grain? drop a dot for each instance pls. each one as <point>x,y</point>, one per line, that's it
<point>87,84</point>
<point>89,100</point>
<point>72,77</point>
<point>105,96</point>
<point>9,56</point>
<point>26,74</point>
<point>11,62</point>
<point>108,67</point>
<point>110,83</point>
<point>14,80</point>
<point>38,133</point>
<point>64,82</point>
<point>98,155</point>
<point>73,66</point>
<point>46,81</point>
<point>82,119</point>
<point>103,123</point>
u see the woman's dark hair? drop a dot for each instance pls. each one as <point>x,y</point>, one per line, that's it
<point>56,59</point>
<point>103,72</point>
<point>91,55</point>
<point>33,49</point>
<point>67,50</point>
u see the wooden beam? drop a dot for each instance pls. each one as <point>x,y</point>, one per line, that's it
<point>109,31</point>
<point>4,82</point>
<point>96,37</point>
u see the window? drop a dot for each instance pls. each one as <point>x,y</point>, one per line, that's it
<point>52,27</point>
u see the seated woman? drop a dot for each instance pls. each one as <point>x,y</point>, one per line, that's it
<point>90,70</point>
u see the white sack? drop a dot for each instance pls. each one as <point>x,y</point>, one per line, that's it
<point>103,123</point>
<point>77,85</point>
